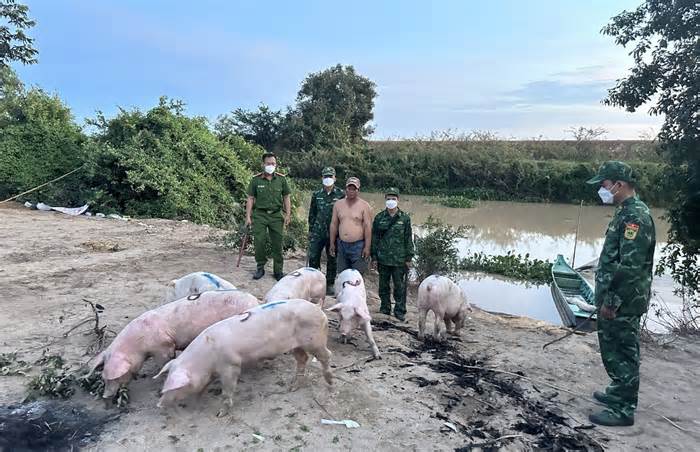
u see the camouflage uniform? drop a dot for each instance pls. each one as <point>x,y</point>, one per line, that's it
<point>268,218</point>
<point>320,214</point>
<point>623,282</point>
<point>392,247</point>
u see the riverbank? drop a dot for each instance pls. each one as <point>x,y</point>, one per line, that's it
<point>50,262</point>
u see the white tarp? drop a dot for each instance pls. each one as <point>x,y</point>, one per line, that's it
<point>67,210</point>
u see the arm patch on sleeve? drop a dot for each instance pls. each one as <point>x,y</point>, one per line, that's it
<point>631,230</point>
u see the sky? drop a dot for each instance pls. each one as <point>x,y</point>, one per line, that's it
<point>520,69</point>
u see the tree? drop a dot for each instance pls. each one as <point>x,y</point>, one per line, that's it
<point>164,164</point>
<point>15,45</point>
<point>262,127</point>
<point>586,133</point>
<point>334,107</point>
<point>665,40</point>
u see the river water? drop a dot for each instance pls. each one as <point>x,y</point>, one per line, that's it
<point>540,230</point>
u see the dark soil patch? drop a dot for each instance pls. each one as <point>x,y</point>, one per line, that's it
<point>49,426</point>
<point>541,423</point>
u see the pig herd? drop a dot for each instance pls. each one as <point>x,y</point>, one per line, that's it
<point>219,328</point>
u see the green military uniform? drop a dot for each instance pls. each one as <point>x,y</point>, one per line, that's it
<point>268,219</point>
<point>623,282</point>
<point>392,247</point>
<point>320,214</point>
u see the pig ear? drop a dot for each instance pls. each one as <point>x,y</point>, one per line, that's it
<point>335,307</point>
<point>176,380</point>
<point>165,368</point>
<point>363,313</point>
<point>116,367</point>
<point>97,362</point>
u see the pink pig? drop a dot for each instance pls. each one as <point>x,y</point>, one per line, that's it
<point>352,306</point>
<point>161,331</point>
<point>306,283</point>
<point>262,332</point>
<point>195,283</point>
<point>447,301</point>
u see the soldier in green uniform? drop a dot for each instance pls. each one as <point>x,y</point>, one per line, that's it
<point>392,252</point>
<point>268,194</point>
<point>320,213</point>
<point>622,292</point>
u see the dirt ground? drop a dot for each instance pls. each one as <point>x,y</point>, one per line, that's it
<point>423,397</point>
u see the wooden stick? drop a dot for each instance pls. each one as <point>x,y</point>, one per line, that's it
<point>580,325</point>
<point>673,423</point>
<point>578,223</point>
<point>43,185</point>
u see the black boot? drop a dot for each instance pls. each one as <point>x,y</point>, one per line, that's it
<point>259,273</point>
<point>278,276</point>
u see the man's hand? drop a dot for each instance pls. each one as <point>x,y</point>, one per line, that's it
<point>365,252</point>
<point>608,312</point>
<point>331,249</point>
<point>374,265</point>
<point>248,221</point>
<point>287,219</point>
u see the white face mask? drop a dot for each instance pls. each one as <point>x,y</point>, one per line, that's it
<point>606,195</point>
<point>269,169</point>
<point>391,203</point>
<point>328,181</point>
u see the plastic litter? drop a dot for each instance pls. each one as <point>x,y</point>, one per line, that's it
<point>28,204</point>
<point>451,426</point>
<point>258,437</point>
<point>346,422</point>
<point>100,215</point>
<point>75,211</point>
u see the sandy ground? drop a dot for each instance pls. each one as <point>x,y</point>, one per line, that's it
<point>401,402</point>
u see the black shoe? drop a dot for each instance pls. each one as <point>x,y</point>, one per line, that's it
<point>260,272</point>
<point>400,317</point>
<point>278,276</point>
<point>385,311</point>
<point>610,419</point>
<point>602,397</point>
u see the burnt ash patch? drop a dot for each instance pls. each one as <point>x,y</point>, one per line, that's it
<point>50,425</point>
<point>540,422</point>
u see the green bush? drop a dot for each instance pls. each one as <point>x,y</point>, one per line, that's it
<point>512,265</point>
<point>39,141</point>
<point>436,250</point>
<point>164,164</point>
<point>455,201</point>
<point>484,170</point>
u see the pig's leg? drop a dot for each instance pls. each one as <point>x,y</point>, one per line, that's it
<point>370,338</point>
<point>229,380</point>
<point>301,357</point>
<point>449,326</point>
<point>323,355</point>
<point>439,324</point>
<point>422,314</point>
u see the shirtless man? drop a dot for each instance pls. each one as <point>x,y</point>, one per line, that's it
<point>351,229</point>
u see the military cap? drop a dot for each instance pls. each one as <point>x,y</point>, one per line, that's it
<point>612,170</point>
<point>353,181</point>
<point>392,191</point>
<point>328,171</point>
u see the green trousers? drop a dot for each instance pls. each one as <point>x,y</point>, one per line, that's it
<point>268,225</point>
<point>316,246</point>
<point>619,349</point>
<point>395,274</point>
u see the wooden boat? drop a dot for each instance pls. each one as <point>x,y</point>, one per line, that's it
<point>573,295</point>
